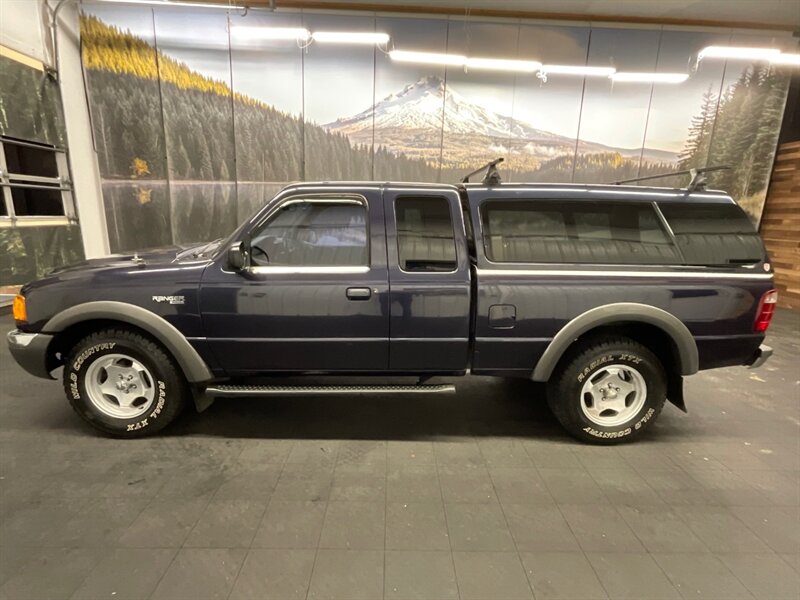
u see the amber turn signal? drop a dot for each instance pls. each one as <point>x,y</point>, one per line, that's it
<point>19,310</point>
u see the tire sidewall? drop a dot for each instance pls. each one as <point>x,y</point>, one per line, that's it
<point>75,382</point>
<point>581,370</point>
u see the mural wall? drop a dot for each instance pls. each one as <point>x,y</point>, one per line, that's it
<point>30,109</point>
<point>197,127</point>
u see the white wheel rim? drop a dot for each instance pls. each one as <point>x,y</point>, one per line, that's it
<point>613,395</point>
<point>120,386</point>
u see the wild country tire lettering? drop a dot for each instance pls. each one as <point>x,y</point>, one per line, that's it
<point>618,434</point>
<point>89,351</point>
<point>76,366</point>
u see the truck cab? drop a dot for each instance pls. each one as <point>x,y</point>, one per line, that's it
<point>357,278</point>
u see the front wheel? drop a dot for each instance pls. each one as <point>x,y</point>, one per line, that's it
<point>123,383</point>
<point>609,391</point>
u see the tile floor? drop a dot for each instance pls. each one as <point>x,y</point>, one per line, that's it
<point>477,495</point>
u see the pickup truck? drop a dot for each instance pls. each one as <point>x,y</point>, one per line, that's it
<point>610,294</point>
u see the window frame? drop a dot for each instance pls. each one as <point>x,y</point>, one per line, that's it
<point>313,198</point>
<point>61,183</point>
<point>397,234</point>
<point>651,204</point>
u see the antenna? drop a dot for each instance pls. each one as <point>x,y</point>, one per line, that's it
<point>698,182</point>
<point>492,176</point>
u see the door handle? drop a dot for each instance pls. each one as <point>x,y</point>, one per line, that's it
<point>359,293</point>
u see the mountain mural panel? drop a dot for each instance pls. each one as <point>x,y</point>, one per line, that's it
<point>410,123</point>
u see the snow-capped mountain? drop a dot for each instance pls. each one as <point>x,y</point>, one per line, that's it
<point>410,122</point>
<point>419,106</point>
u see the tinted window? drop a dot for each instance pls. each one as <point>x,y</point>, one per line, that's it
<point>29,202</point>
<point>425,239</point>
<point>714,234</point>
<point>574,232</point>
<point>27,160</point>
<point>309,233</point>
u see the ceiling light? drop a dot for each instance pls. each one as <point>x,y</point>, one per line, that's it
<point>737,52</point>
<point>270,33</point>
<point>785,59</point>
<point>170,3</point>
<point>578,70</point>
<point>350,37</point>
<point>650,77</point>
<point>428,58</point>
<point>503,64</point>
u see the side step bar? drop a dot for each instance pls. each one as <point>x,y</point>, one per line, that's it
<point>223,391</point>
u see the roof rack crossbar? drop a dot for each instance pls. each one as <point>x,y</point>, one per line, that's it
<point>698,181</point>
<point>492,176</point>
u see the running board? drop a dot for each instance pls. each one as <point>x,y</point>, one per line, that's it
<point>222,391</point>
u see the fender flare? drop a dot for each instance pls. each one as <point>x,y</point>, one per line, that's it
<point>689,362</point>
<point>190,362</point>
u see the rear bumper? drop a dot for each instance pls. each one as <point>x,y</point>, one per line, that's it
<point>759,357</point>
<point>30,351</point>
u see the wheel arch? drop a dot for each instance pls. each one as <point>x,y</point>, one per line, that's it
<point>681,340</point>
<point>190,362</point>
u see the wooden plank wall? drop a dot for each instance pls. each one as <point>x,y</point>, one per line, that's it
<point>780,223</point>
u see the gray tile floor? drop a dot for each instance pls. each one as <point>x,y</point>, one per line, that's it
<point>474,496</point>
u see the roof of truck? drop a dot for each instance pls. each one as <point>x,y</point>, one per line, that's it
<point>553,190</point>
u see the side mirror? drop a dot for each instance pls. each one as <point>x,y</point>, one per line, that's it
<point>237,257</point>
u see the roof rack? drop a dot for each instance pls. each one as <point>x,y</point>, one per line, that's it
<point>492,176</point>
<point>698,182</point>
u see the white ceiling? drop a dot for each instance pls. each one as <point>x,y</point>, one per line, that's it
<point>771,12</point>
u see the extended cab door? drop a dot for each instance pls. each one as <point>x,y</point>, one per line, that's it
<point>315,295</point>
<point>429,275</point>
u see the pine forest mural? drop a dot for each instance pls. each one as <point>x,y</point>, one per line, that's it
<point>196,129</point>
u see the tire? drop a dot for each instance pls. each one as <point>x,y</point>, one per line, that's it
<point>123,383</point>
<point>580,397</point>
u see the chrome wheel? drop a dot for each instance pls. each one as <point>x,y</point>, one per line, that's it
<point>613,395</point>
<point>120,386</point>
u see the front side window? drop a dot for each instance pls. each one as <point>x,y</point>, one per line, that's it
<point>313,233</point>
<point>534,231</point>
<point>425,238</point>
<point>714,234</point>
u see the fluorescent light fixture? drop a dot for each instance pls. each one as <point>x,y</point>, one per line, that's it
<point>503,64</point>
<point>578,70</point>
<point>737,52</point>
<point>170,3</point>
<point>350,37</point>
<point>427,58</point>
<point>785,59</point>
<point>270,33</point>
<point>650,77</point>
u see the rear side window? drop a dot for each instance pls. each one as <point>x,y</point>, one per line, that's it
<point>425,238</point>
<point>714,234</point>
<point>534,231</point>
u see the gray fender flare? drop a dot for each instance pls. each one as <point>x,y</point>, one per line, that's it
<point>615,313</point>
<point>190,362</point>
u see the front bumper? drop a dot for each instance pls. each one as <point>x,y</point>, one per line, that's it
<point>30,351</point>
<point>760,356</point>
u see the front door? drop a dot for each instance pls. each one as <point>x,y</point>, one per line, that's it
<point>315,296</point>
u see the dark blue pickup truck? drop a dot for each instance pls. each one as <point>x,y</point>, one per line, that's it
<point>609,293</point>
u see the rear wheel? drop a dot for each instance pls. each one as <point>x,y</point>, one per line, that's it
<point>123,383</point>
<point>608,391</point>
